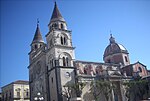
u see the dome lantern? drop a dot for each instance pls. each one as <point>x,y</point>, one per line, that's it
<point>112,39</point>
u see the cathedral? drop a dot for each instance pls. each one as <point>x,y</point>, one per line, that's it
<point>52,65</point>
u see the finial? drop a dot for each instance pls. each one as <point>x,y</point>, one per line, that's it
<point>112,39</point>
<point>110,34</point>
<point>37,21</point>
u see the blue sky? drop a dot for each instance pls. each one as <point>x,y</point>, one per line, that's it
<point>90,22</point>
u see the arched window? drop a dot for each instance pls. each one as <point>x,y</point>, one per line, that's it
<point>18,94</point>
<point>62,26</point>
<point>64,61</point>
<point>67,61</point>
<point>26,93</point>
<point>52,25</point>
<point>126,59</point>
<point>64,41</point>
<point>35,46</point>
<point>61,39</point>
<point>10,95</point>
<point>85,72</point>
<point>52,79</point>
<point>140,69</point>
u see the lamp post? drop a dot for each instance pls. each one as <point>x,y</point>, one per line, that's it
<point>38,97</point>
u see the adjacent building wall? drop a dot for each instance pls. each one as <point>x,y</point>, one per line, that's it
<point>16,91</point>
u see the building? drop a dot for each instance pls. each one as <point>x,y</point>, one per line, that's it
<point>136,69</point>
<point>16,91</point>
<point>52,65</point>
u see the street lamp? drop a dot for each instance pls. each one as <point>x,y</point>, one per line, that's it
<point>38,97</point>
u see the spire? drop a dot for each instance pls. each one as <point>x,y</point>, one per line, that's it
<point>112,39</point>
<point>37,35</point>
<point>56,15</point>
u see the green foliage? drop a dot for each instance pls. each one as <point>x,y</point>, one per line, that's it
<point>137,88</point>
<point>70,87</point>
<point>102,87</point>
<point>75,86</point>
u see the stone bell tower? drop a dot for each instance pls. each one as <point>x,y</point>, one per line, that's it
<point>37,66</point>
<point>59,56</point>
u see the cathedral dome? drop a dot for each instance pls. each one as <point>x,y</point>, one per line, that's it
<point>114,48</point>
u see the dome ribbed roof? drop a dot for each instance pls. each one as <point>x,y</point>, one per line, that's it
<point>114,48</point>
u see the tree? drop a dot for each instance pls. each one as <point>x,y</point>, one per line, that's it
<point>102,87</point>
<point>67,92</point>
<point>70,88</point>
<point>137,90</point>
<point>78,88</point>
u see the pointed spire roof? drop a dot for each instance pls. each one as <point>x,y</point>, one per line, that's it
<point>56,15</point>
<point>37,35</point>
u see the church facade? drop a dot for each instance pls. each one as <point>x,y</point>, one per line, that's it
<point>52,65</point>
